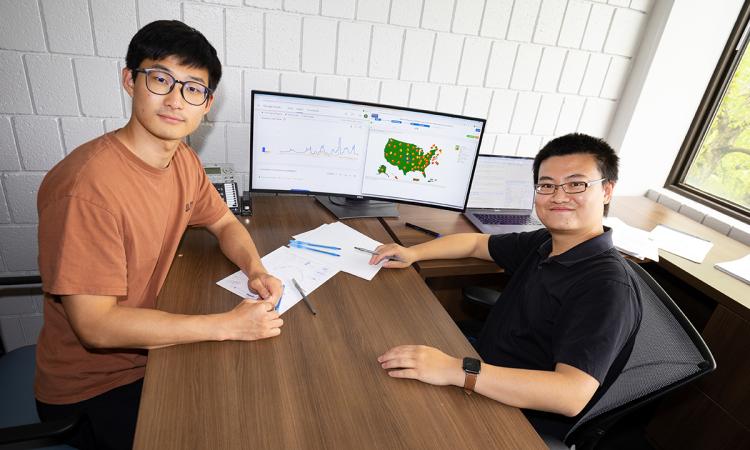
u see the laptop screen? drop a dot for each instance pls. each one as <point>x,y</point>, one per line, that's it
<point>502,182</point>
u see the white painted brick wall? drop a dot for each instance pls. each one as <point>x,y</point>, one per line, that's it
<point>415,64</point>
<point>496,18</point>
<point>115,23</point>
<point>39,142</point>
<point>549,21</point>
<point>467,17</point>
<point>534,68</point>
<point>385,56</point>
<point>438,15</point>
<point>424,96</point>
<point>405,12</point>
<point>525,69</point>
<point>244,37</point>
<point>364,90</point>
<point>522,21</point>
<point>374,10</point>
<point>21,23</point>
<point>52,95</point>
<point>4,212</point>
<point>502,60</point>
<point>353,48</point>
<point>101,79</point>
<point>149,11</point>
<point>451,99</point>
<point>335,87</point>
<point>9,160</point>
<point>339,8</point>
<point>68,26</point>
<point>319,45</point>
<point>79,130</point>
<point>14,89</point>
<point>474,61</point>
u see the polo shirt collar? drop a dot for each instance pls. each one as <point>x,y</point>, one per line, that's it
<point>581,252</point>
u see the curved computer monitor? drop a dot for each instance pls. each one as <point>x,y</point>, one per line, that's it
<point>346,151</point>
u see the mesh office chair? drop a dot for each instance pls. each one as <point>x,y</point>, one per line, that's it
<point>667,353</point>
<point>19,423</point>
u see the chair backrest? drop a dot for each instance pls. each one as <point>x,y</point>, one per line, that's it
<point>667,353</point>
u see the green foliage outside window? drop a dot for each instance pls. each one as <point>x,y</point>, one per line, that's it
<point>722,164</point>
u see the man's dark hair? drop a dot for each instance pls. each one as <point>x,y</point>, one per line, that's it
<point>164,38</point>
<point>575,143</point>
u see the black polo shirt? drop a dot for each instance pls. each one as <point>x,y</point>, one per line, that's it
<point>580,308</point>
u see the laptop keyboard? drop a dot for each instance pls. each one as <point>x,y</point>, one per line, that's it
<point>503,219</point>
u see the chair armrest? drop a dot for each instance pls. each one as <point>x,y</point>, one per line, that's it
<point>481,295</point>
<point>49,432</point>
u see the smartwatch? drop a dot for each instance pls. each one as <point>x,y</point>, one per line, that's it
<point>472,367</point>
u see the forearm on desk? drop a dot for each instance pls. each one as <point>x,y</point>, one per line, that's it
<point>454,246</point>
<point>237,244</point>
<point>99,322</point>
<point>564,391</point>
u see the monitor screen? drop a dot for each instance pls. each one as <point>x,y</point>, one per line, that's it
<point>303,144</point>
<point>502,182</point>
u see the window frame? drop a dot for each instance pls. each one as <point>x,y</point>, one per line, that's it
<point>717,86</point>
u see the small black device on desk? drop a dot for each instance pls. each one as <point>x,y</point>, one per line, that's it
<point>246,204</point>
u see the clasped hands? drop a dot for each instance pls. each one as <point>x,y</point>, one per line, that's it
<point>256,319</point>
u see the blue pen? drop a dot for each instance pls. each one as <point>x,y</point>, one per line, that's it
<point>304,247</point>
<point>310,244</point>
<point>278,304</point>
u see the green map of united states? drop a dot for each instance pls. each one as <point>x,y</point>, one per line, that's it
<point>408,157</point>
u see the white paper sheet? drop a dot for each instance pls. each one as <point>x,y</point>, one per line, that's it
<point>631,240</point>
<point>739,268</point>
<point>681,244</point>
<point>285,265</point>
<point>345,237</point>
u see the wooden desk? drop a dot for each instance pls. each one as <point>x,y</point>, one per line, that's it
<point>318,385</point>
<point>443,222</point>
<point>730,292</point>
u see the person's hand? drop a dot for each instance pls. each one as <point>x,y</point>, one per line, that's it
<point>426,364</point>
<point>266,286</point>
<point>405,256</point>
<point>252,320</point>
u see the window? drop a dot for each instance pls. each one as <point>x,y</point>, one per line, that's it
<point>713,166</point>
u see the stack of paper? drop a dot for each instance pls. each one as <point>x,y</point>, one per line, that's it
<point>681,244</point>
<point>312,268</point>
<point>284,265</point>
<point>345,237</point>
<point>632,241</point>
<point>739,268</point>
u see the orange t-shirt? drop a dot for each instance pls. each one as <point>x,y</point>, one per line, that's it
<point>109,224</point>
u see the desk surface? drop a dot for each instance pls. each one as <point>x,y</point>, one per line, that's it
<point>318,385</point>
<point>443,222</point>
<point>732,293</point>
<point>636,211</point>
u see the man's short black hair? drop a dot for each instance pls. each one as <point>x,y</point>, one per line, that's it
<point>574,143</point>
<point>164,38</point>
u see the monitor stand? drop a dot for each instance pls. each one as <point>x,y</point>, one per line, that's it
<point>351,208</point>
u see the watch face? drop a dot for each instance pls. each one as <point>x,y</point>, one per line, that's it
<point>472,365</point>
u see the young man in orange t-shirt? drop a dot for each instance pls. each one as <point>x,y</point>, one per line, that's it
<point>111,215</point>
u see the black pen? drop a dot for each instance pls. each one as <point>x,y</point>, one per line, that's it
<point>392,258</point>
<point>423,230</point>
<point>304,297</point>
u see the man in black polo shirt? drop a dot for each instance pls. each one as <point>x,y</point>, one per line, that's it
<point>564,326</point>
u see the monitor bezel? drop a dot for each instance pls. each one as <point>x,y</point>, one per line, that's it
<point>360,197</point>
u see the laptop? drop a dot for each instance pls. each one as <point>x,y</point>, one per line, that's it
<point>501,199</point>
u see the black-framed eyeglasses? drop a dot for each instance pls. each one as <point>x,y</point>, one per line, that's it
<point>572,187</point>
<point>162,83</point>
